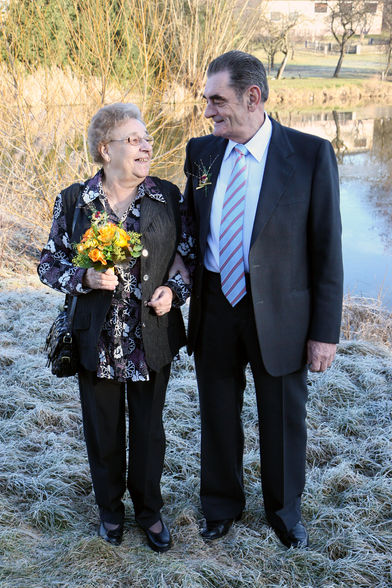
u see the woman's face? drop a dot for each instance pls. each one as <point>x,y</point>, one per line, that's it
<point>122,157</point>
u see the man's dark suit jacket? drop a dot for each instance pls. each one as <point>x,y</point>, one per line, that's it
<point>295,259</point>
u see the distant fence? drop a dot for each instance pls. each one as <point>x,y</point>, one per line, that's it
<point>353,48</point>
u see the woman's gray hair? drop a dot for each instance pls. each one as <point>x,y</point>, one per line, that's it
<point>104,121</point>
<point>245,70</point>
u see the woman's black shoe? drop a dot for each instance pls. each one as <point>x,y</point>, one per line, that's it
<point>161,541</point>
<point>113,536</point>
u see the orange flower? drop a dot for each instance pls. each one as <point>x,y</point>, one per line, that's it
<point>88,234</point>
<point>97,255</point>
<point>106,233</point>
<point>122,238</point>
<point>91,243</point>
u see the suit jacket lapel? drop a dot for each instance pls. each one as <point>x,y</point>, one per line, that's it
<point>277,173</point>
<point>210,160</point>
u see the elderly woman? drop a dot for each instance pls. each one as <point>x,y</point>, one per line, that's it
<point>127,323</point>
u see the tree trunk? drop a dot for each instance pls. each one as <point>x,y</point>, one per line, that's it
<point>339,64</point>
<point>388,65</point>
<point>337,142</point>
<point>282,66</point>
<point>268,64</point>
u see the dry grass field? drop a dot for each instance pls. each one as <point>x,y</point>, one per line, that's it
<point>48,521</point>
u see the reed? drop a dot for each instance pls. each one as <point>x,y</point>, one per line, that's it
<point>366,318</point>
<point>61,61</point>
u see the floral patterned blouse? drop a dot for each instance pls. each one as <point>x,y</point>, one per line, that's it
<point>120,347</point>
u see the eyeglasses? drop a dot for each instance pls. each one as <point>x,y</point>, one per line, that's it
<point>135,141</point>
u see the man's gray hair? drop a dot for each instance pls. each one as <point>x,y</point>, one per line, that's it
<point>104,121</point>
<point>245,70</point>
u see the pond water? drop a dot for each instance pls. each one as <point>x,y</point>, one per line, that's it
<point>363,143</point>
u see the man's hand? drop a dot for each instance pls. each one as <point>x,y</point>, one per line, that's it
<point>161,300</point>
<point>320,355</point>
<point>179,267</point>
<point>100,280</point>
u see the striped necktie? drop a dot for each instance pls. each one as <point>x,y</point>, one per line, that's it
<point>231,257</point>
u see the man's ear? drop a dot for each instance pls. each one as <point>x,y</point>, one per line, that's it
<point>254,98</point>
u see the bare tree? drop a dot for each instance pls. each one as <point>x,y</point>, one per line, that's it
<point>348,17</point>
<point>285,45</point>
<point>387,25</point>
<point>275,38</point>
<point>270,41</point>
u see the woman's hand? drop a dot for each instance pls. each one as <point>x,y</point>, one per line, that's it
<point>161,300</point>
<point>179,267</point>
<point>100,280</point>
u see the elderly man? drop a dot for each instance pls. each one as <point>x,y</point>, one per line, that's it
<point>267,290</point>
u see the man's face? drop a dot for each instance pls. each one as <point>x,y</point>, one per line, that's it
<point>231,116</point>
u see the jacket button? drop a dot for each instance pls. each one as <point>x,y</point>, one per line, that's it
<point>146,277</point>
<point>143,325</point>
<point>145,302</point>
<point>145,252</point>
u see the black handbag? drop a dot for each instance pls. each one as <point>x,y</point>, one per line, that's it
<point>62,356</point>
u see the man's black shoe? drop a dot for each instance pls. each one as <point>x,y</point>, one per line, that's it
<point>161,541</point>
<point>113,536</point>
<point>296,537</point>
<point>216,529</point>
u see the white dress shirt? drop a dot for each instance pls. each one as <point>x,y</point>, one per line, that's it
<point>256,158</point>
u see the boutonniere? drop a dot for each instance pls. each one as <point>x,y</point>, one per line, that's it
<point>204,175</point>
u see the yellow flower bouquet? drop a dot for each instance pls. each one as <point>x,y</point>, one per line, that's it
<point>105,244</point>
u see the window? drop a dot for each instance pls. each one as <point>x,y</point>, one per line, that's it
<point>321,6</point>
<point>371,7</point>
<point>362,142</point>
<point>345,116</point>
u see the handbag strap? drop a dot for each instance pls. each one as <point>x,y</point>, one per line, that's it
<point>71,198</point>
<point>72,312</point>
<point>75,215</point>
<point>71,309</point>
